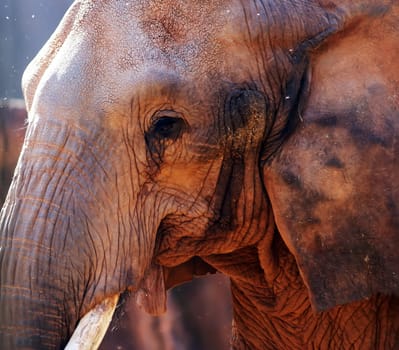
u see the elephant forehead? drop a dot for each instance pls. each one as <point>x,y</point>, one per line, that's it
<point>114,45</point>
<point>174,33</point>
<point>116,51</point>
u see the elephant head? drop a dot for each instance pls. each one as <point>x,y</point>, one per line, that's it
<point>166,136</point>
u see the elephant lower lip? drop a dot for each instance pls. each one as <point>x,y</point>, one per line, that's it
<point>151,295</point>
<point>186,271</point>
<point>93,326</point>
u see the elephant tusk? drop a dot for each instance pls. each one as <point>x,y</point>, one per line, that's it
<point>93,326</point>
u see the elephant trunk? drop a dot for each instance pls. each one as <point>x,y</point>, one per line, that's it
<point>30,321</point>
<point>26,322</point>
<point>31,305</point>
<point>41,300</point>
<point>58,257</point>
<point>35,311</point>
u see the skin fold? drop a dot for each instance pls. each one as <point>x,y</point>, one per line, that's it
<point>169,139</point>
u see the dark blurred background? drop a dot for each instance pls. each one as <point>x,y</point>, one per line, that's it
<point>199,313</point>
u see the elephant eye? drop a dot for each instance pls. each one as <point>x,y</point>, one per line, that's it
<point>168,128</point>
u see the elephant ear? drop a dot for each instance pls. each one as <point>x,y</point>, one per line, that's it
<point>334,184</point>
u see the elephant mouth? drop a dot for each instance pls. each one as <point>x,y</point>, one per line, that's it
<point>151,296</point>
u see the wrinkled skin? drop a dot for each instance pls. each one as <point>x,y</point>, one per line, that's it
<point>170,138</point>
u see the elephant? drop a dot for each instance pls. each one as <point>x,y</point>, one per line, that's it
<point>172,139</point>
